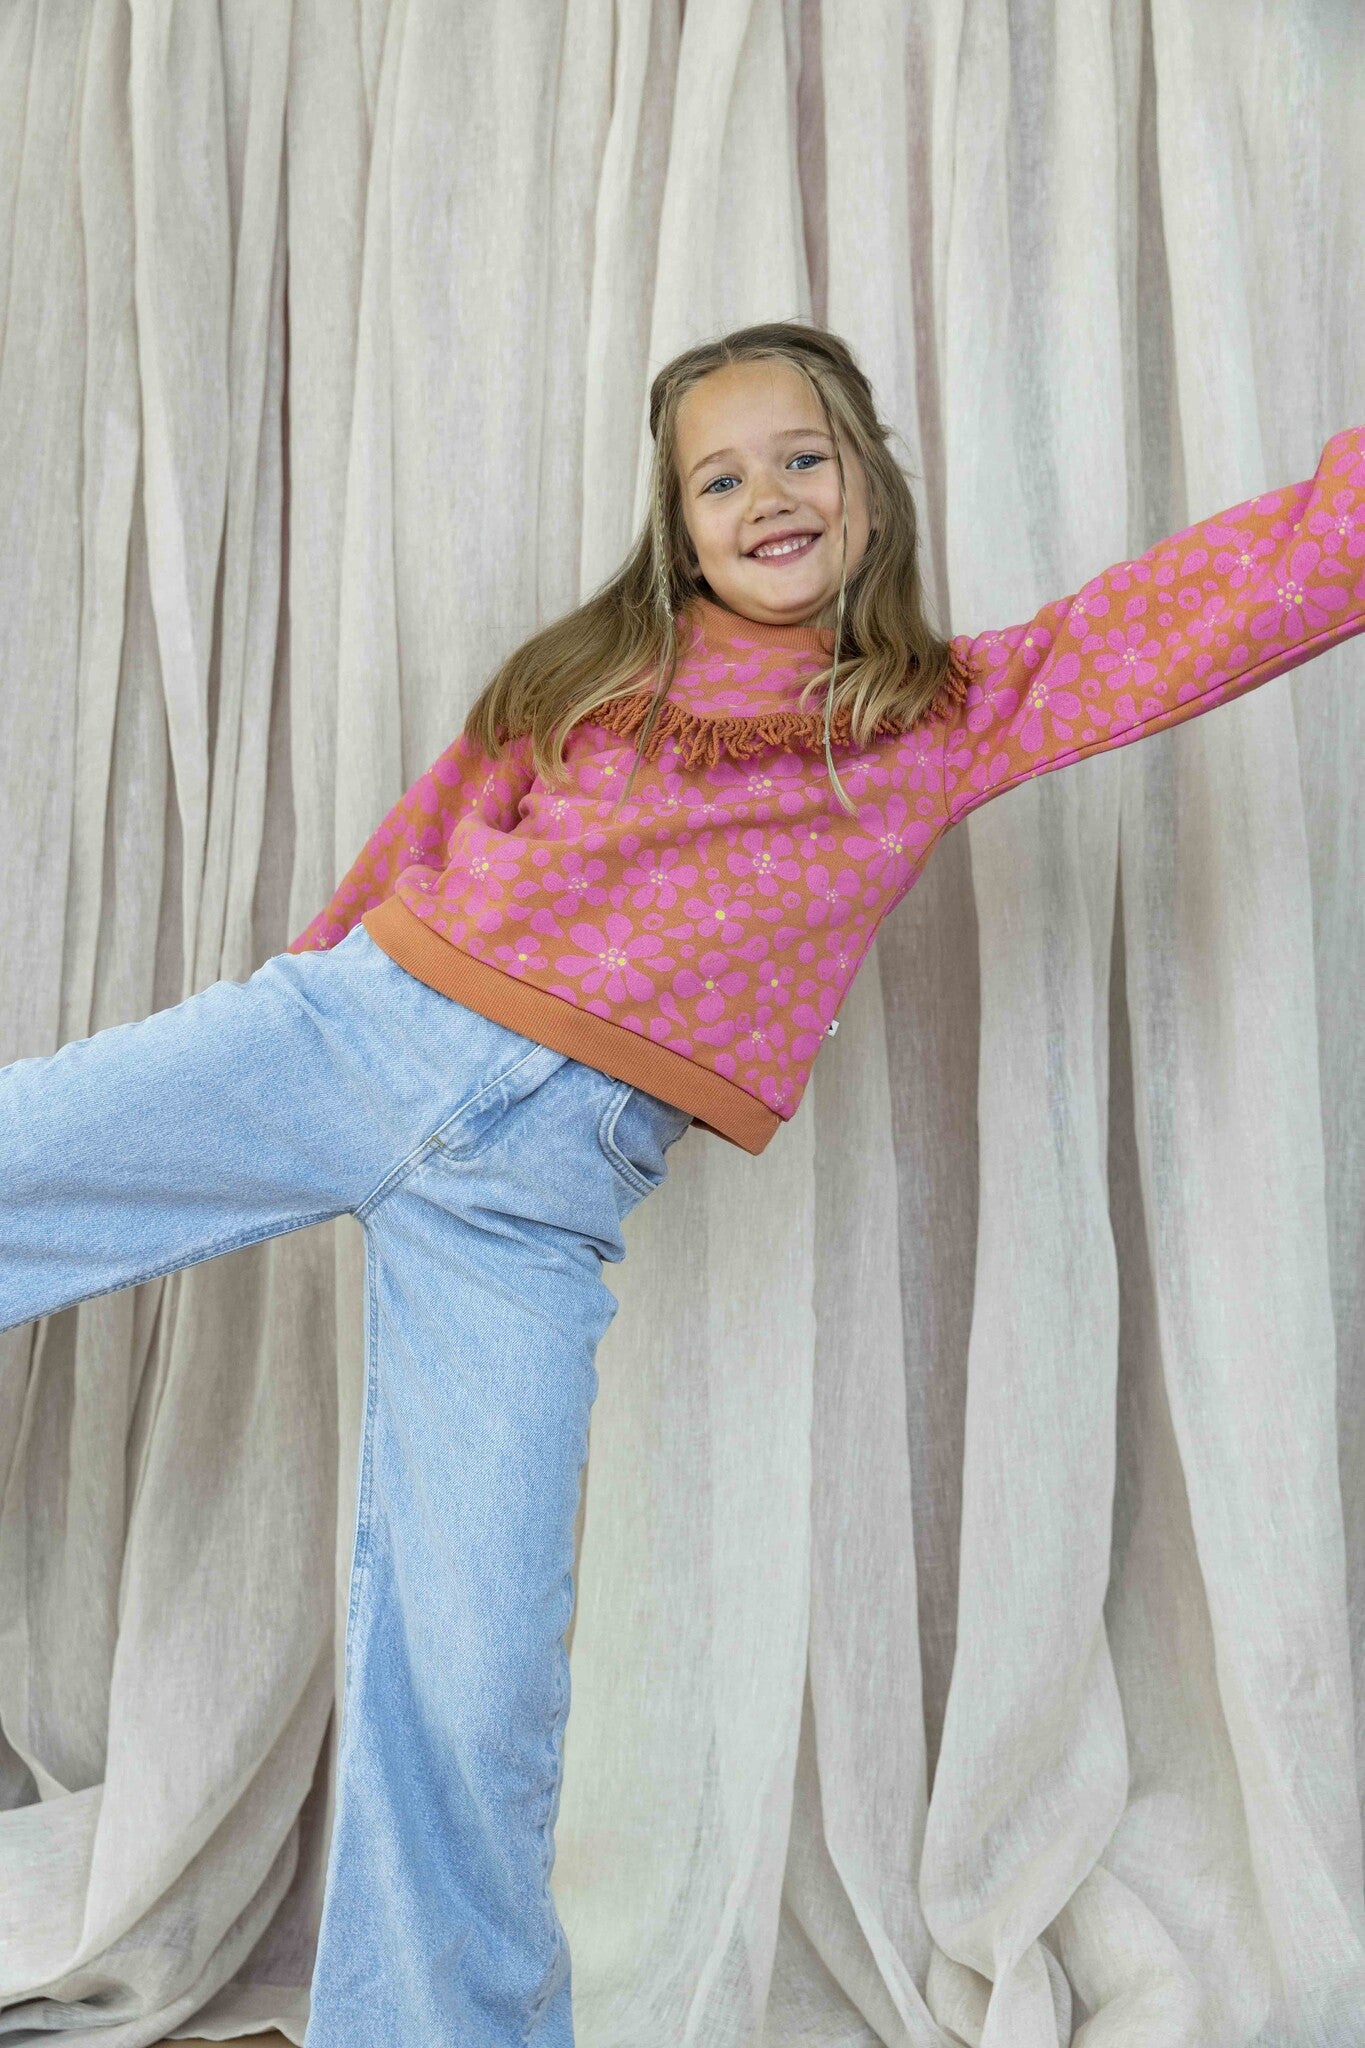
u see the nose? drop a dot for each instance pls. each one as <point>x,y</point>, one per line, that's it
<point>775,483</point>
<point>770,491</point>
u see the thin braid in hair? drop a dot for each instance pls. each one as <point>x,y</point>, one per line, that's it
<point>663,601</point>
<point>818,383</point>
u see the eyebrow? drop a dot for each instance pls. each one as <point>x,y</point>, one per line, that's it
<point>786,434</point>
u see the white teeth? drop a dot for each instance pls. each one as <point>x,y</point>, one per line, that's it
<point>785,547</point>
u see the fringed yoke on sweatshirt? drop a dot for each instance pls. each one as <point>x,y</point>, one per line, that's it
<point>699,941</point>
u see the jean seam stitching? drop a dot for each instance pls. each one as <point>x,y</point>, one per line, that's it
<point>558,1721</point>
<point>217,1249</point>
<point>435,1141</point>
<point>361,1559</point>
<point>606,1138</point>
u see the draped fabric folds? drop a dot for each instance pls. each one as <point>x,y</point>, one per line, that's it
<point>971,1593</point>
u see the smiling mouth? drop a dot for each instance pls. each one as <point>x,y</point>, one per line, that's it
<point>790,550</point>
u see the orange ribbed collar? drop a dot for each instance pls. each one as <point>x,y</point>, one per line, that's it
<point>721,627</point>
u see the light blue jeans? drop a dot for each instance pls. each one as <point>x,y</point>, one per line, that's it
<point>492,1177</point>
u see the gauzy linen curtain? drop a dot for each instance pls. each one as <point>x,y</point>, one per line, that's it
<point>972,1556</point>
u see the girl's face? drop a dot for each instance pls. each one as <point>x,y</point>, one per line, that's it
<point>755,462</point>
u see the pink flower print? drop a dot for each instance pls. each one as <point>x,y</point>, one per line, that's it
<point>992,700</point>
<point>520,957</point>
<point>1349,458</point>
<point>708,985</point>
<point>1239,560</point>
<point>779,1091</point>
<point>613,959</point>
<point>668,1025</point>
<point>778,779</point>
<point>745,665</point>
<point>555,814</point>
<point>483,873</point>
<point>917,758</point>
<point>575,882</point>
<point>605,765</point>
<point>809,1021</point>
<point>483,917</point>
<point>773,984</point>
<point>843,951</point>
<point>665,795</point>
<point>761,1036</point>
<point>1131,659</point>
<point>1342,528</point>
<point>710,807</point>
<point>489,863</point>
<point>718,913</point>
<point>877,766</point>
<point>831,896</point>
<point>714,693</point>
<point>890,841</point>
<point>1032,644</point>
<point>674,776</point>
<point>814,840</point>
<point>652,799</point>
<point>768,858</point>
<point>656,876</point>
<point>985,773</point>
<point>1090,602</point>
<point>1294,604</point>
<point>453,764</point>
<point>422,842</point>
<point>1205,628</point>
<point>1048,695</point>
<point>855,778</point>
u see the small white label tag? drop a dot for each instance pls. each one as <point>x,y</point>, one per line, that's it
<point>831,1027</point>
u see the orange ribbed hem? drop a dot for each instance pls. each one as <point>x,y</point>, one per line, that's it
<point>714,1103</point>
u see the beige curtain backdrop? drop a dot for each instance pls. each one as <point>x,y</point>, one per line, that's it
<point>972,1558</point>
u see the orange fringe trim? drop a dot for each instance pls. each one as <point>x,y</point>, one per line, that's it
<point>703,738</point>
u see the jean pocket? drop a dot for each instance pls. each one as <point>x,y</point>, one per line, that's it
<point>635,1132</point>
<point>475,1126</point>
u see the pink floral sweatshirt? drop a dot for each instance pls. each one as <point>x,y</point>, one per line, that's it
<point>699,942</point>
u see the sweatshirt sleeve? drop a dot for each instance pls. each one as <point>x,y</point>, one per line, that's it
<point>1201,618</point>
<point>464,782</point>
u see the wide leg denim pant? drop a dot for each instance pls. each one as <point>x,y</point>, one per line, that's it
<point>492,1176</point>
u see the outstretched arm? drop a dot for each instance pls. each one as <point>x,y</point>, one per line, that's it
<point>463,783</point>
<point>1202,617</point>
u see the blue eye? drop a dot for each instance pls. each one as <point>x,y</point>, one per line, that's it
<point>806,455</point>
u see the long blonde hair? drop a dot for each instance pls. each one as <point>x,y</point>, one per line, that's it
<point>890,669</point>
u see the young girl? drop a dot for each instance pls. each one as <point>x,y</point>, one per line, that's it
<point>629,898</point>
